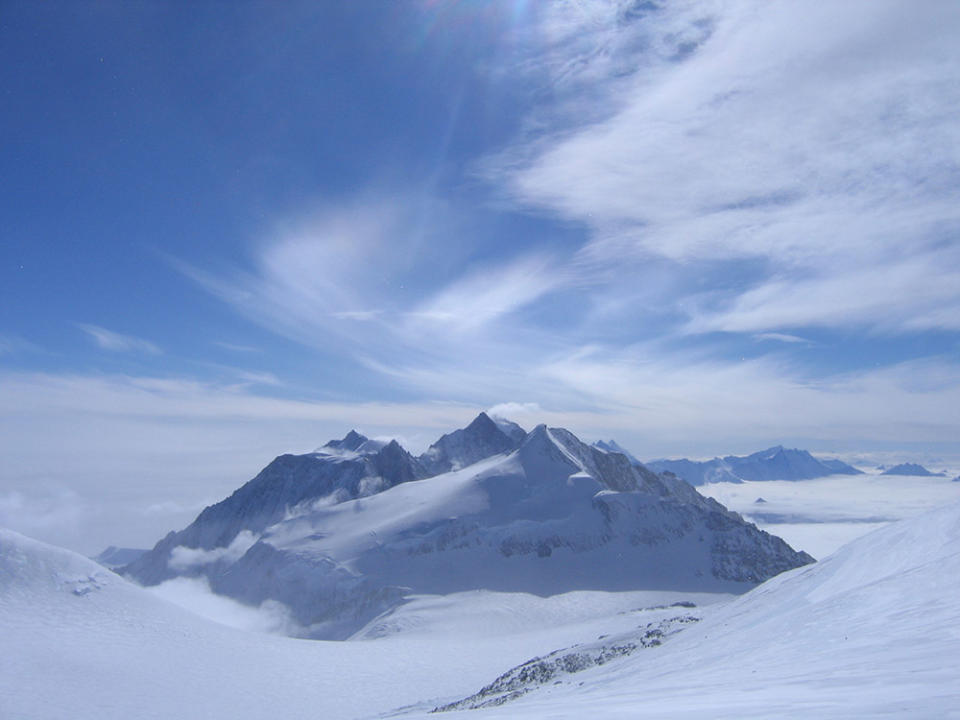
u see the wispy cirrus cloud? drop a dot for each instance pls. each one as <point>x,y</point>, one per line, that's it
<point>14,344</point>
<point>818,138</point>
<point>336,272</point>
<point>914,293</point>
<point>682,400</point>
<point>781,337</point>
<point>118,342</point>
<point>480,297</point>
<point>234,347</point>
<point>377,283</point>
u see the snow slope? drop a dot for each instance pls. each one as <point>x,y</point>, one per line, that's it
<point>80,642</point>
<point>869,632</point>
<point>872,631</point>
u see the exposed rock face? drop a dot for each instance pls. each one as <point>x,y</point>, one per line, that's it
<point>555,667</point>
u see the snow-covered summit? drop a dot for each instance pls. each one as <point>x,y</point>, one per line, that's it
<point>480,439</point>
<point>340,540</point>
<point>352,442</point>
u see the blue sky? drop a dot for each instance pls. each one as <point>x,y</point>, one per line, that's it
<point>232,230</point>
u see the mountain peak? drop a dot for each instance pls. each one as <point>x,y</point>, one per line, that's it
<point>910,469</point>
<point>351,441</point>
<point>482,422</point>
<point>480,439</point>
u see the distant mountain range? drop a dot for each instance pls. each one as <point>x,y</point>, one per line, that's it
<point>911,469</point>
<point>776,463</point>
<point>346,533</point>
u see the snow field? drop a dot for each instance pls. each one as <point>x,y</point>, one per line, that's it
<point>868,632</point>
<point>82,642</point>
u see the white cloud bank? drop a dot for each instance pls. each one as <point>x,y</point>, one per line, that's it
<point>185,558</point>
<point>195,595</point>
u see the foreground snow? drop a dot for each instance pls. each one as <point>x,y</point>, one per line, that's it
<point>869,632</point>
<point>79,641</point>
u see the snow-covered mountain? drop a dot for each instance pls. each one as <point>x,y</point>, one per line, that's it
<point>341,470</point>
<point>340,539</point>
<point>776,463</point>
<point>911,469</point>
